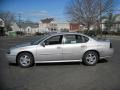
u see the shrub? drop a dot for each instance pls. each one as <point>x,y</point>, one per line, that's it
<point>104,32</point>
<point>38,33</point>
<point>90,33</point>
<point>20,33</point>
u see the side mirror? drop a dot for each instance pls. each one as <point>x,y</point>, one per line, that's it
<point>43,44</point>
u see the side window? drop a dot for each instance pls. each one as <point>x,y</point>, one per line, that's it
<point>73,39</point>
<point>70,39</point>
<point>79,39</point>
<point>54,40</point>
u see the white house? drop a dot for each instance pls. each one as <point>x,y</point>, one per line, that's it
<point>15,27</point>
<point>28,28</point>
<point>2,24</point>
<point>115,24</point>
<point>53,26</point>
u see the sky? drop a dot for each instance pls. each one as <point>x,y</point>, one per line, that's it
<point>35,10</point>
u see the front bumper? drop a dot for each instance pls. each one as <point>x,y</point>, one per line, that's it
<point>11,58</point>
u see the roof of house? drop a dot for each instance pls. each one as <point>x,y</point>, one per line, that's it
<point>28,24</point>
<point>47,20</point>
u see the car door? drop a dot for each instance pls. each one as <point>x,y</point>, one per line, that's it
<point>52,50</point>
<point>73,47</point>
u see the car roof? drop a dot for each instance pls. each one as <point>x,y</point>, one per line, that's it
<point>63,33</point>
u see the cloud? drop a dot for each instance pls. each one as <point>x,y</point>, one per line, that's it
<point>39,13</point>
<point>33,13</point>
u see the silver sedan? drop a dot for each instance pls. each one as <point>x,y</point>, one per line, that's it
<point>61,47</point>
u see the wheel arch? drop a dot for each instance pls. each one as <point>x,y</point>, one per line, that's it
<point>92,50</point>
<point>24,52</point>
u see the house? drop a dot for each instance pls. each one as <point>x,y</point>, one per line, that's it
<point>74,27</point>
<point>25,27</point>
<point>28,27</point>
<point>53,26</point>
<point>45,25</point>
<point>2,25</point>
<point>115,23</point>
<point>15,27</point>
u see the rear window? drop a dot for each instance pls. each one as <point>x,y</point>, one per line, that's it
<point>85,39</point>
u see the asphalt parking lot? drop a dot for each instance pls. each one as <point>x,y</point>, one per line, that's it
<point>59,76</point>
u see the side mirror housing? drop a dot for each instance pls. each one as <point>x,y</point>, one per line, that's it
<point>43,44</point>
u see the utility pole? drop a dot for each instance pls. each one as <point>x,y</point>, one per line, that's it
<point>19,16</point>
<point>100,18</point>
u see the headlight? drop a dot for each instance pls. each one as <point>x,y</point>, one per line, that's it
<point>8,51</point>
<point>110,45</point>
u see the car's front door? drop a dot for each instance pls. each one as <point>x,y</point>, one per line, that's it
<point>52,50</point>
<point>73,47</point>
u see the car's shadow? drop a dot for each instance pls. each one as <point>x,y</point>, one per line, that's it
<point>103,61</point>
<point>61,63</point>
<point>13,64</point>
<point>68,63</point>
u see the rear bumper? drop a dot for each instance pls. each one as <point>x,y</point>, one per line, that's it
<point>107,53</point>
<point>11,58</point>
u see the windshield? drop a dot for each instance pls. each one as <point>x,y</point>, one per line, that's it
<point>35,42</point>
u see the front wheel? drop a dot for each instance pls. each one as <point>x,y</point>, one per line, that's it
<point>90,58</point>
<point>25,60</point>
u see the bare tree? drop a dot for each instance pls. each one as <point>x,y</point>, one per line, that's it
<point>87,12</point>
<point>8,18</point>
<point>47,20</point>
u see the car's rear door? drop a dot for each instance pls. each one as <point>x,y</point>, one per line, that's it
<point>73,47</point>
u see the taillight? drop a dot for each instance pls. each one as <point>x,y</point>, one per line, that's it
<point>110,45</point>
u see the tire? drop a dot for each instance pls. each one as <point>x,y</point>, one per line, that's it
<point>90,58</point>
<point>25,60</point>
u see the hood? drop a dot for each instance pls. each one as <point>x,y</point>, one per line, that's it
<point>23,45</point>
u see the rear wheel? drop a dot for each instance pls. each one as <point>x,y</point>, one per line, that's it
<point>25,60</point>
<point>90,58</point>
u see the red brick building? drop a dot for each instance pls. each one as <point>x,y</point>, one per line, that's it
<point>74,26</point>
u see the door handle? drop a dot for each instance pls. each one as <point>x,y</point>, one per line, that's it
<point>58,47</point>
<point>83,46</point>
